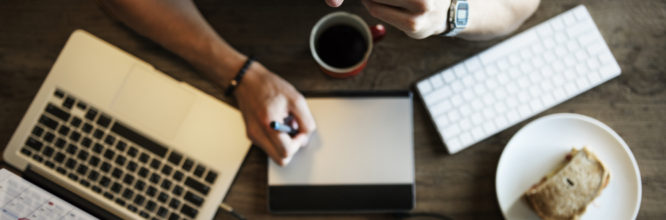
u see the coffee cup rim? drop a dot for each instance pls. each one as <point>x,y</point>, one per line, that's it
<point>367,36</point>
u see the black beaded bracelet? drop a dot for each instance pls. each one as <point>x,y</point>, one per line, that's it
<point>239,76</point>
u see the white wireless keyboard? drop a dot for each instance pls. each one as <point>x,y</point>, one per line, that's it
<point>517,79</point>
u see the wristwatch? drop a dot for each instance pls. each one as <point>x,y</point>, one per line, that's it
<point>457,17</point>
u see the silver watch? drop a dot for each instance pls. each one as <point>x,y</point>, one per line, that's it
<point>457,17</point>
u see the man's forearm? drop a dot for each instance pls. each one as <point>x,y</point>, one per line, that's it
<point>178,26</point>
<point>493,18</point>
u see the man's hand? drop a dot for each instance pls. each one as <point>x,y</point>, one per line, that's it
<point>417,18</point>
<point>264,97</point>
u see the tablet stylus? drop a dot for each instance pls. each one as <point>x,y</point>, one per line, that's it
<point>283,128</point>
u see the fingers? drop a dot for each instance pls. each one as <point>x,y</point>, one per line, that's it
<point>301,112</point>
<point>391,15</point>
<point>410,6</point>
<point>260,137</point>
<point>334,3</point>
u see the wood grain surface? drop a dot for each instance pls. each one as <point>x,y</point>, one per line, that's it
<point>462,186</point>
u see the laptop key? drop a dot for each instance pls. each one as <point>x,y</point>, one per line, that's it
<point>139,199</point>
<point>87,128</point>
<point>150,206</point>
<point>155,164</point>
<point>98,134</point>
<point>132,152</point>
<point>34,144</point>
<point>177,190</point>
<point>37,131</point>
<point>175,158</point>
<point>97,148</point>
<point>26,152</point>
<point>131,166</point>
<point>151,191</point>
<point>59,157</point>
<point>120,202</point>
<point>128,193</point>
<point>143,172</point>
<point>71,149</point>
<point>75,136</point>
<point>93,175</point>
<point>48,151</point>
<point>37,158</point>
<point>96,189</point>
<point>91,114</point>
<point>120,160</point>
<point>178,176</point>
<point>61,170</point>
<point>121,145</point>
<point>138,139</point>
<point>84,183</point>
<point>48,122</point>
<point>81,105</point>
<point>59,93</point>
<point>199,170</point>
<point>117,173</point>
<point>64,130</point>
<point>105,167</point>
<point>174,216</point>
<point>104,120</point>
<point>174,203</point>
<point>144,158</point>
<point>108,195</point>
<point>71,163</point>
<point>189,211</point>
<point>109,154</point>
<point>104,181</point>
<point>166,184</point>
<point>82,169</point>
<point>76,121</point>
<point>163,197</point>
<point>83,155</point>
<point>110,140</point>
<point>116,187</point>
<point>94,161</point>
<point>59,113</point>
<point>86,142</point>
<point>187,165</point>
<point>162,212</point>
<point>49,164</point>
<point>73,176</point>
<point>193,198</point>
<point>60,143</point>
<point>140,185</point>
<point>166,169</point>
<point>155,178</point>
<point>210,178</point>
<point>196,185</point>
<point>144,214</point>
<point>128,179</point>
<point>68,103</point>
<point>48,137</point>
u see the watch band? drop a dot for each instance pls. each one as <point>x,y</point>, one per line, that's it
<point>457,17</point>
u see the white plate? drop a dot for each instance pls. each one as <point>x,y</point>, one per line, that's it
<point>539,146</point>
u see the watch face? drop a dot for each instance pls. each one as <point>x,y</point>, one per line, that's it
<point>461,15</point>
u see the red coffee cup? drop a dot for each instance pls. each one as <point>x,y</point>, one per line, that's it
<point>369,34</point>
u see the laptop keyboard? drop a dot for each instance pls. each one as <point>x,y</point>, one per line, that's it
<point>100,153</point>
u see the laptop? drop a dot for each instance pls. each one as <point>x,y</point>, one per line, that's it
<point>360,159</point>
<point>115,136</point>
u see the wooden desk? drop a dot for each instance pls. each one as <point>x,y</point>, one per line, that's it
<point>32,34</point>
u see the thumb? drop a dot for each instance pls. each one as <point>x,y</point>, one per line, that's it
<point>334,3</point>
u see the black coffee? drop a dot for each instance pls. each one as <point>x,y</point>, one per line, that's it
<point>341,46</point>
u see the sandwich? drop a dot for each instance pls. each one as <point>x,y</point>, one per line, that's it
<point>567,190</point>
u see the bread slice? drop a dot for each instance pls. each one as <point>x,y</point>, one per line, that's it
<point>566,192</point>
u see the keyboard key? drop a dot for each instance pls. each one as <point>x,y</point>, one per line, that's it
<point>48,137</point>
<point>188,211</point>
<point>26,152</point>
<point>132,152</point>
<point>210,178</point>
<point>57,112</point>
<point>140,185</point>
<point>150,206</point>
<point>139,199</point>
<point>84,183</point>
<point>110,140</point>
<point>138,139</point>
<point>128,193</point>
<point>97,148</point>
<point>424,87</point>
<point>144,214</point>
<point>75,122</point>
<point>104,120</point>
<point>37,131</point>
<point>174,203</point>
<point>104,181</point>
<point>162,212</point>
<point>155,164</point>
<point>193,198</point>
<point>166,184</point>
<point>48,151</point>
<point>59,157</point>
<point>116,173</point>
<point>83,155</point>
<point>128,179</point>
<point>109,154</point>
<point>120,202</point>
<point>73,176</point>
<point>75,136</point>
<point>120,146</point>
<point>166,170</point>
<point>71,149</point>
<point>155,178</point>
<point>96,189</point>
<point>64,130</point>
<point>131,166</point>
<point>37,158</point>
<point>178,176</point>
<point>93,175</point>
<point>175,158</point>
<point>82,169</point>
<point>69,102</point>
<point>187,165</point>
<point>71,163</point>
<point>177,190</point>
<point>196,185</point>
<point>174,216</point>
<point>120,160</point>
<point>108,195</point>
<point>143,172</point>
<point>98,134</point>
<point>61,170</point>
<point>116,187</point>
<point>132,208</point>
<point>87,128</point>
<point>91,114</point>
<point>86,142</point>
<point>59,93</point>
<point>151,191</point>
<point>199,170</point>
<point>34,144</point>
<point>144,158</point>
<point>163,197</point>
<point>48,122</point>
<point>105,167</point>
<point>81,105</point>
